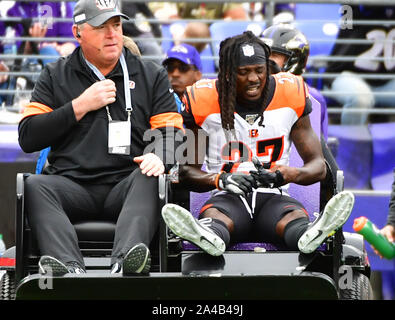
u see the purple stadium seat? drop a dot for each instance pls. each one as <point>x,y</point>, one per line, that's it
<point>309,196</point>
<point>383,149</point>
<point>174,31</point>
<point>354,154</point>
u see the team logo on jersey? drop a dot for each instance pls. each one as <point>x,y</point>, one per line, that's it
<point>105,4</point>
<point>253,133</point>
<point>248,50</point>
<point>251,118</point>
<point>132,84</point>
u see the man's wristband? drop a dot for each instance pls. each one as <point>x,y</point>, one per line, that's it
<point>217,180</point>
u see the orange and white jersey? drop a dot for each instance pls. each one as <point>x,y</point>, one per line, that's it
<point>270,142</point>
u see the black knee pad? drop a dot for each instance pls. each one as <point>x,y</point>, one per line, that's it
<point>220,229</point>
<point>293,231</point>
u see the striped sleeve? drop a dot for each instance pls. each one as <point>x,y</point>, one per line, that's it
<point>167,119</point>
<point>34,108</point>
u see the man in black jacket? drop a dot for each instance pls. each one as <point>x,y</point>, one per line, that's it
<point>389,228</point>
<point>94,109</point>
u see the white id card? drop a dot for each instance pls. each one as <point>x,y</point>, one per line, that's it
<point>119,134</point>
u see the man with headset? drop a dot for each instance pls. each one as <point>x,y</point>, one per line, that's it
<point>92,108</point>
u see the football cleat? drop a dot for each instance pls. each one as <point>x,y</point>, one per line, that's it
<point>335,214</point>
<point>184,225</point>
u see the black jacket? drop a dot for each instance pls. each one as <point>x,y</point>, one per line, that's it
<point>79,148</point>
<point>391,213</point>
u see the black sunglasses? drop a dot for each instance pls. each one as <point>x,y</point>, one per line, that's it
<point>182,67</point>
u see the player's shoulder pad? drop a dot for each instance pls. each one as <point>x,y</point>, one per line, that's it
<point>202,99</point>
<point>286,81</point>
<point>290,92</point>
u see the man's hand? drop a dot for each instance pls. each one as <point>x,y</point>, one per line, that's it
<point>389,232</point>
<point>65,49</point>
<point>150,164</point>
<point>3,68</point>
<point>97,96</point>
<point>264,178</point>
<point>37,30</point>
<point>238,183</point>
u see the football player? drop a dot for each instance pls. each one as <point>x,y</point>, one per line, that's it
<point>250,118</point>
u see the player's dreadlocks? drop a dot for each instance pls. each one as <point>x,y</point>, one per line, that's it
<point>229,55</point>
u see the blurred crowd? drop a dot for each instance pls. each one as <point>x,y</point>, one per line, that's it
<point>153,24</point>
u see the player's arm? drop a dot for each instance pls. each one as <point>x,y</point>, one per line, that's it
<point>309,149</point>
<point>190,174</point>
<point>192,177</point>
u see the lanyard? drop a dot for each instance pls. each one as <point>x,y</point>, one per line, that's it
<point>125,72</point>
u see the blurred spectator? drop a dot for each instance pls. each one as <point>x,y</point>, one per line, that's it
<point>37,23</point>
<point>211,10</point>
<point>351,89</point>
<point>214,11</point>
<point>290,51</point>
<point>195,30</point>
<point>202,10</point>
<point>141,30</point>
<point>283,13</point>
<point>164,10</point>
<point>183,67</point>
<point>3,66</point>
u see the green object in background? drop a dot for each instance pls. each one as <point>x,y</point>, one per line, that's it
<point>371,233</point>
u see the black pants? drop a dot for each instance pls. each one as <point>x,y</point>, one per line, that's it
<point>54,202</point>
<point>270,208</point>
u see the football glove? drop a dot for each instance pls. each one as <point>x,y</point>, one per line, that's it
<point>238,183</point>
<point>264,178</point>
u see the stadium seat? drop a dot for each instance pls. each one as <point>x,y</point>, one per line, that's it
<point>354,155</point>
<point>317,11</point>
<point>170,32</point>
<point>383,155</point>
<point>174,31</point>
<point>321,36</point>
<point>208,62</point>
<point>95,239</point>
<point>320,24</point>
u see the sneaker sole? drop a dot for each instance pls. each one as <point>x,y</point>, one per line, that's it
<point>184,225</point>
<point>137,260</point>
<point>51,266</point>
<point>330,221</point>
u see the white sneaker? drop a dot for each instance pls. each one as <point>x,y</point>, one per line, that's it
<point>184,225</point>
<point>335,214</point>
